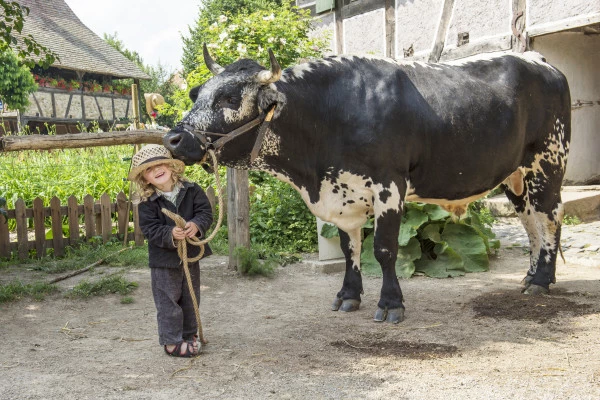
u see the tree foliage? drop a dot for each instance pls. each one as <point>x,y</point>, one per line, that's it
<point>12,18</point>
<point>16,81</point>
<point>247,33</point>
<point>210,12</point>
<point>159,82</point>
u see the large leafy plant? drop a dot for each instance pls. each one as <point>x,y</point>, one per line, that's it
<point>432,243</point>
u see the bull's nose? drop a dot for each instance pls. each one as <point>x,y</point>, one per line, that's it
<point>172,139</point>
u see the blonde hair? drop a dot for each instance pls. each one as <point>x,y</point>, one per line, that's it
<point>145,190</point>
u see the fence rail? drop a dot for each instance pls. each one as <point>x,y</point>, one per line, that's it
<point>97,221</point>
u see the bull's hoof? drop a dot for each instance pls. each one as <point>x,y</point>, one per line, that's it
<point>350,305</point>
<point>336,304</point>
<point>535,290</point>
<point>392,315</point>
<point>345,305</point>
<point>395,315</point>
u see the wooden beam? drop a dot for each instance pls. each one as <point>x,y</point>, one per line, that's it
<point>78,140</point>
<point>390,28</point>
<point>440,37</point>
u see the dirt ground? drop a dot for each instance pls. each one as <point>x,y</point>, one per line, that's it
<point>473,337</point>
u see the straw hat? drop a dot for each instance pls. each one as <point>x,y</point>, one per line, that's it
<point>150,155</point>
<point>153,100</point>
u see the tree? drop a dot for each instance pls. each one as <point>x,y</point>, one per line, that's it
<point>248,34</point>
<point>16,81</point>
<point>159,82</point>
<point>210,13</point>
<point>28,49</point>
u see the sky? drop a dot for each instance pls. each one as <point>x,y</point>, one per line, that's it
<point>152,28</point>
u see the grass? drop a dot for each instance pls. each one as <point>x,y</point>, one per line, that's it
<point>16,290</point>
<point>571,220</point>
<point>108,285</point>
<point>81,257</point>
<point>76,259</point>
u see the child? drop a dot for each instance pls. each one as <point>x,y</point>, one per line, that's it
<point>160,183</point>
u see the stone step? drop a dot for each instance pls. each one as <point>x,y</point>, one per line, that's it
<point>582,202</point>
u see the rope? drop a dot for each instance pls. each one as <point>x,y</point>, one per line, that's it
<point>182,246</point>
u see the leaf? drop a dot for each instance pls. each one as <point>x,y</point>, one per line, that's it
<point>368,263</point>
<point>432,232</point>
<point>405,266</point>
<point>413,218</point>
<point>328,231</point>
<point>465,241</point>
<point>484,231</point>
<point>435,212</point>
<point>447,264</point>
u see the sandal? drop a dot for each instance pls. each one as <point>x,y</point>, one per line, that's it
<point>176,352</point>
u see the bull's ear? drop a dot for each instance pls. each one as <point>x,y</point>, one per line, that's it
<point>194,93</point>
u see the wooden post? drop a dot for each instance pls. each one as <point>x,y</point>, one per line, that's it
<point>123,214</point>
<point>138,236</point>
<point>440,37</point>
<point>39,227</point>
<point>238,211</point>
<point>390,28</point>
<point>73,217</point>
<point>4,238</point>
<point>88,216</point>
<point>21,220</point>
<point>135,102</point>
<point>105,217</point>
<point>57,233</point>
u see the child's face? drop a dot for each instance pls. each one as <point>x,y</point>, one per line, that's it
<point>159,176</point>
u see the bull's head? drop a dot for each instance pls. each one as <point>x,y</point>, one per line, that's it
<point>233,99</point>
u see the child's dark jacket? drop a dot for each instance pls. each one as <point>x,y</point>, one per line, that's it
<point>192,206</point>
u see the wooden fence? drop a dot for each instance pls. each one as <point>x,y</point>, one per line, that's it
<point>97,221</point>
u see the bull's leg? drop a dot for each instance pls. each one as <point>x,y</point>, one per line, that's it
<point>348,299</point>
<point>387,227</point>
<point>541,211</point>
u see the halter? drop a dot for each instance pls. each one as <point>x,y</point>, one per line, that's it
<point>203,136</point>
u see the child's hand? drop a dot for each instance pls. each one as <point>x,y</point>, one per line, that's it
<point>190,229</point>
<point>178,233</point>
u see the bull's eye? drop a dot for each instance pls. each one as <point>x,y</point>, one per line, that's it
<point>230,102</point>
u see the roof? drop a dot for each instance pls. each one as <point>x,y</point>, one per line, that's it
<point>54,25</point>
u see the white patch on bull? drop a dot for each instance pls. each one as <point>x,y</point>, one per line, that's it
<point>355,246</point>
<point>541,231</point>
<point>246,109</point>
<point>555,151</point>
<point>349,201</point>
<point>296,72</point>
<point>271,145</point>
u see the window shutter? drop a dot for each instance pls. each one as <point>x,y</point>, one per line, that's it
<point>324,5</point>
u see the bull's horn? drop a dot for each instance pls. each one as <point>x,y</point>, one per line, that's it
<point>266,77</point>
<point>212,66</point>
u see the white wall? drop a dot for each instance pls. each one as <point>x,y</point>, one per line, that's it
<point>578,57</point>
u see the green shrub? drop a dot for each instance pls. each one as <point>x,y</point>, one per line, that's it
<point>251,265</point>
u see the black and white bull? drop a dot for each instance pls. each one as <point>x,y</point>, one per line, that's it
<point>359,136</point>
